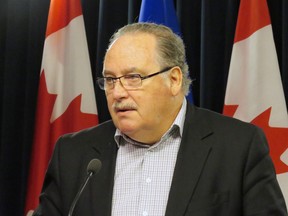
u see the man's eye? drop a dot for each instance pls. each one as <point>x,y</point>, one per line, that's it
<point>132,77</point>
<point>109,80</point>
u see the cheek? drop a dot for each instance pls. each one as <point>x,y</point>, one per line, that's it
<point>109,102</point>
<point>158,97</point>
<point>151,107</point>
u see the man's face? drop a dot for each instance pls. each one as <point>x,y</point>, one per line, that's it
<point>141,113</point>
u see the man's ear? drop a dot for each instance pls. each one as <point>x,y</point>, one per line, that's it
<point>176,80</point>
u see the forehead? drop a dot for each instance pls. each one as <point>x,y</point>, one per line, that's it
<point>133,50</point>
<point>137,39</point>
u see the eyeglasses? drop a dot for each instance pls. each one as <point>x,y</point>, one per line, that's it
<point>129,81</point>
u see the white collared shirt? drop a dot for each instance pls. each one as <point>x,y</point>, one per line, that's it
<point>144,173</point>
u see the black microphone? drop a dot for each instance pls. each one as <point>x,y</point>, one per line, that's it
<point>93,168</point>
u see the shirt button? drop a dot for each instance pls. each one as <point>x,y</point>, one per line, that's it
<point>148,180</point>
<point>145,213</point>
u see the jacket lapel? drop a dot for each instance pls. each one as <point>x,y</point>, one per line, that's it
<point>101,186</point>
<point>191,159</point>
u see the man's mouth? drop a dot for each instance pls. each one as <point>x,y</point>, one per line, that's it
<point>123,108</point>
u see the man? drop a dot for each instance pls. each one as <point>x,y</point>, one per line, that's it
<point>160,155</point>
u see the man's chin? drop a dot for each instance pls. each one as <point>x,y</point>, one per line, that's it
<point>127,129</point>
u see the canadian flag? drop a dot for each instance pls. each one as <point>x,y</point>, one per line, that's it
<point>66,98</point>
<point>254,89</point>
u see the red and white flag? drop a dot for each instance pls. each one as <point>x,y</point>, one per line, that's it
<point>254,89</point>
<point>66,98</point>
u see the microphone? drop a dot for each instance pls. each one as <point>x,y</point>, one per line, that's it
<point>93,168</point>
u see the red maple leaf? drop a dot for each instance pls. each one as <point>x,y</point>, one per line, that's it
<point>72,120</point>
<point>277,138</point>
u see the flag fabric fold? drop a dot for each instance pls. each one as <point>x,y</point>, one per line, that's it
<point>162,12</point>
<point>66,98</point>
<point>254,90</point>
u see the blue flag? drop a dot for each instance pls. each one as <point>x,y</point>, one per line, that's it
<point>161,12</point>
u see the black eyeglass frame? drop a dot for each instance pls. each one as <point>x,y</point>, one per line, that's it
<point>101,80</point>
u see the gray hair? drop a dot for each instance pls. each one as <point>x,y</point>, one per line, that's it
<point>171,48</point>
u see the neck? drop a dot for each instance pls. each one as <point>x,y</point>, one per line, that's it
<point>150,136</point>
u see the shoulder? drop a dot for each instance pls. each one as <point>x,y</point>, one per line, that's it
<point>103,128</point>
<point>218,121</point>
<point>93,136</point>
<point>230,138</point>
<point>224,131</point>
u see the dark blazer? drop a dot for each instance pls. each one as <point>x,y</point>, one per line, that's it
<point>223,168</point>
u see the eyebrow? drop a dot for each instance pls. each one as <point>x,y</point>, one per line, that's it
<point>126,71</point>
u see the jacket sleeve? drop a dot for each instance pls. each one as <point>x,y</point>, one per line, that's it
<point>261,192</point>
